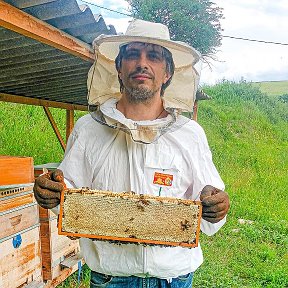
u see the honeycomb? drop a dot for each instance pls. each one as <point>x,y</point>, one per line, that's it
<point>128,217</point>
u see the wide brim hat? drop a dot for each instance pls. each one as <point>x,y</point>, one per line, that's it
<point>103,81</point>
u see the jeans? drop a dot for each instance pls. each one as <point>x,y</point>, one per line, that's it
<point>106,281</point>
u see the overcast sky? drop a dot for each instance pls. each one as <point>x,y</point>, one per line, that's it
<point>254,19</point>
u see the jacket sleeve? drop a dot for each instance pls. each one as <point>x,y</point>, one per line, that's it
<point>211,228</point>
<point>204,173</point>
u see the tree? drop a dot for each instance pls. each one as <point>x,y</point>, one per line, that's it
<point>196,22</point>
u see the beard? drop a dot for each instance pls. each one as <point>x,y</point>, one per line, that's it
<point>139,94</point>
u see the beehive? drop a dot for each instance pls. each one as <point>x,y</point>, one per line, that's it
<point>127,217</point>
<point>20,255</point>
<point>16,170</point>
<point>56,250</point>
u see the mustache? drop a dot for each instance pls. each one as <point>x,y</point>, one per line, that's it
<point>141,71</point>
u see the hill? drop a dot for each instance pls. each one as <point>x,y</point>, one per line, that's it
<point>273,88</point>
<point>247,131</point>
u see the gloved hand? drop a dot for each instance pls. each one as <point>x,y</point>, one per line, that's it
<point>215,204</point>
<point>47,188</point>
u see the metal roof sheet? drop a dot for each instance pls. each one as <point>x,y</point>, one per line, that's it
<point>33,69</point>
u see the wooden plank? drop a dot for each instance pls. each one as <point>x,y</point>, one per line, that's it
<point>195,111</point>
<point>21,265</point>
<point>18,220</point>
<point>25,24</point>
<point>35,284</point>
<point>16,170</point>
<point>45,246</point>
<point>55,128</point>
<point>54,248</point>
<point>71,261</point>
<point>10,191</point>
<point>64,274</point>
<point>46,215</point>
<point>40,102</point>
<point>17,201</point>
<point>69,123</point>
<point>62,246</point>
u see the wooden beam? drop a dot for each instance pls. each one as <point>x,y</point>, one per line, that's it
<point>69,122</point>
<point>39,102</point>
<point>54,126</point>
<point>25,24</point>
<point>195,110</point>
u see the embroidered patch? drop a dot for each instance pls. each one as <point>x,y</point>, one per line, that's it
<point>163,179</point>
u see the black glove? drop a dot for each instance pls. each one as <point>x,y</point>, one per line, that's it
<point>215,204</point>
<point>48,187</point>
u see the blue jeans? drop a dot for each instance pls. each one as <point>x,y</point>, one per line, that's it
<point>106,281</point>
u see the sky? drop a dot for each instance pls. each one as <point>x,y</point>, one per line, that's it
<point>236,59</point>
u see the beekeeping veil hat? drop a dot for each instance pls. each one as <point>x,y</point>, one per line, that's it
<point>103,81</point>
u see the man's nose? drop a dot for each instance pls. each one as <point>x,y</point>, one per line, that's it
<point>142,60</point>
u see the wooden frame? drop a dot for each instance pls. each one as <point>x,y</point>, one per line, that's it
<point>40,102</point>
<point>77,212</point>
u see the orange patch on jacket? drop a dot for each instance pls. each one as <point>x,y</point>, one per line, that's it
<point>163,179</point>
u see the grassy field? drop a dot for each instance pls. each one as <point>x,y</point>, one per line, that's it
<point>248,135</point>
<point>275,88</point>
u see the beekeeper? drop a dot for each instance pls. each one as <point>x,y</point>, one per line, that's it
<point>133,132</point>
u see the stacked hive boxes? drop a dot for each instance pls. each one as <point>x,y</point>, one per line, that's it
<point>20,253</point>
<point>60,255</point>
<point>32,254</point>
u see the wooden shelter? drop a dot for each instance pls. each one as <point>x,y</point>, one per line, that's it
<point>45,55</point>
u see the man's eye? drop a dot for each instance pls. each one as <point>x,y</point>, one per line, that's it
<point>131,55</point>
<point>155,56</point>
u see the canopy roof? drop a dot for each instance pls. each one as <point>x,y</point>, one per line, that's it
<point>46,52</point>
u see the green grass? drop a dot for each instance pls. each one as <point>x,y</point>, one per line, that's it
<point>273,88</point>
<point>248,135</point>
<point>26,131</point>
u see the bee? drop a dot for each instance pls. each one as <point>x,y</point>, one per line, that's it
<point>140,206</point>
<point>142,202</point>
<point>185,225</point>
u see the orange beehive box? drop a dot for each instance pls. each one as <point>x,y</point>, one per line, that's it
<point>16,170</point>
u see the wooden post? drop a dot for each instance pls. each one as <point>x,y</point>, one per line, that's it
<point>54,126</point>
<point>195,110</point>
<point>69,122</point>
<point>40,102</point>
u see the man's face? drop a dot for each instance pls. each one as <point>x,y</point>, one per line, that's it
<point>143,71</point>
